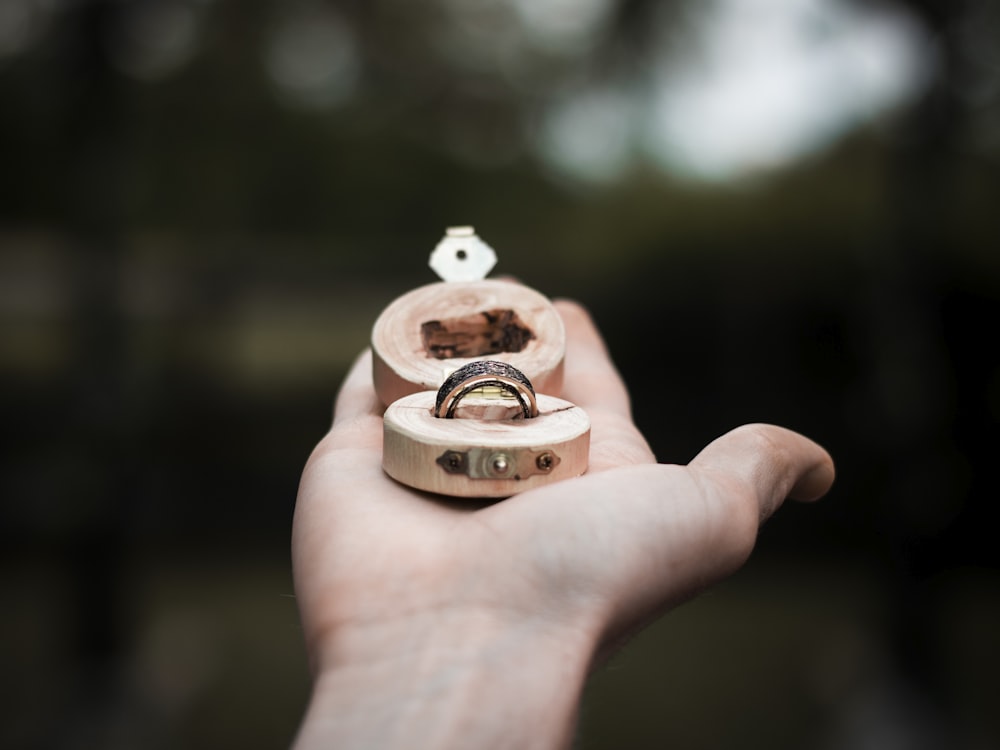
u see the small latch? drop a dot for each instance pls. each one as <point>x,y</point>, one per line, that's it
<point>491,463</point>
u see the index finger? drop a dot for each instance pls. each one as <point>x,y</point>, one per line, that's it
<point>592,382</point>
<point>591,379</point>
<point>356,397</point>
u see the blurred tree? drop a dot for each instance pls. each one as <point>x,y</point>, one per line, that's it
<point>206,203</point>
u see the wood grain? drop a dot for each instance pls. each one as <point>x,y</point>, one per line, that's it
<point>403,364</point>
<point>414,441</point>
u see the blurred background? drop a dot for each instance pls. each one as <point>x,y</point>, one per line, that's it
<point>777,210</point>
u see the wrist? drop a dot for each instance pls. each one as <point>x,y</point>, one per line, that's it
<point>443,679</point>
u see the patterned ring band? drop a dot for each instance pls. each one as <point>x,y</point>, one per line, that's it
<point>478,374</point>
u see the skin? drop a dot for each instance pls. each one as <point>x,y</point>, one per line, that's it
<point>436,623</point>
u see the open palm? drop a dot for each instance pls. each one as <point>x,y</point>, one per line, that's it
<point>591,558</point>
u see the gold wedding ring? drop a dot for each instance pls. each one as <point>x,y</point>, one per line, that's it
<point>483,373</point>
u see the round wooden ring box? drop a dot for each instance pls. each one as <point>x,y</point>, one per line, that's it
<point>430,332</point>
<point>478,457</point>
<point>491,445</point>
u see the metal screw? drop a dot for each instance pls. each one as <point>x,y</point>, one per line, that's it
<point>544,462</point>
<point>452,461</point>
<point>499,464</point>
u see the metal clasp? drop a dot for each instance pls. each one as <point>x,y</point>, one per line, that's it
<point>494,463</point>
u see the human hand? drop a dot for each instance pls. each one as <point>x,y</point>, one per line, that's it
<point>427,619</point>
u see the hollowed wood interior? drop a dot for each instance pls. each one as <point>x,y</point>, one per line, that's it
<point>483,333</point>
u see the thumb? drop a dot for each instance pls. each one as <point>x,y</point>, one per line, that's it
<point>624,545</point>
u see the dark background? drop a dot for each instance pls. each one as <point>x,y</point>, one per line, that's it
<point>191,255</point>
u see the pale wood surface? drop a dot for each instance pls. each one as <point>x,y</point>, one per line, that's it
<point>414,439</point>
<point>403,365</point>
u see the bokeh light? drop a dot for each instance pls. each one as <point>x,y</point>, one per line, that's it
<point>776,210</point>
